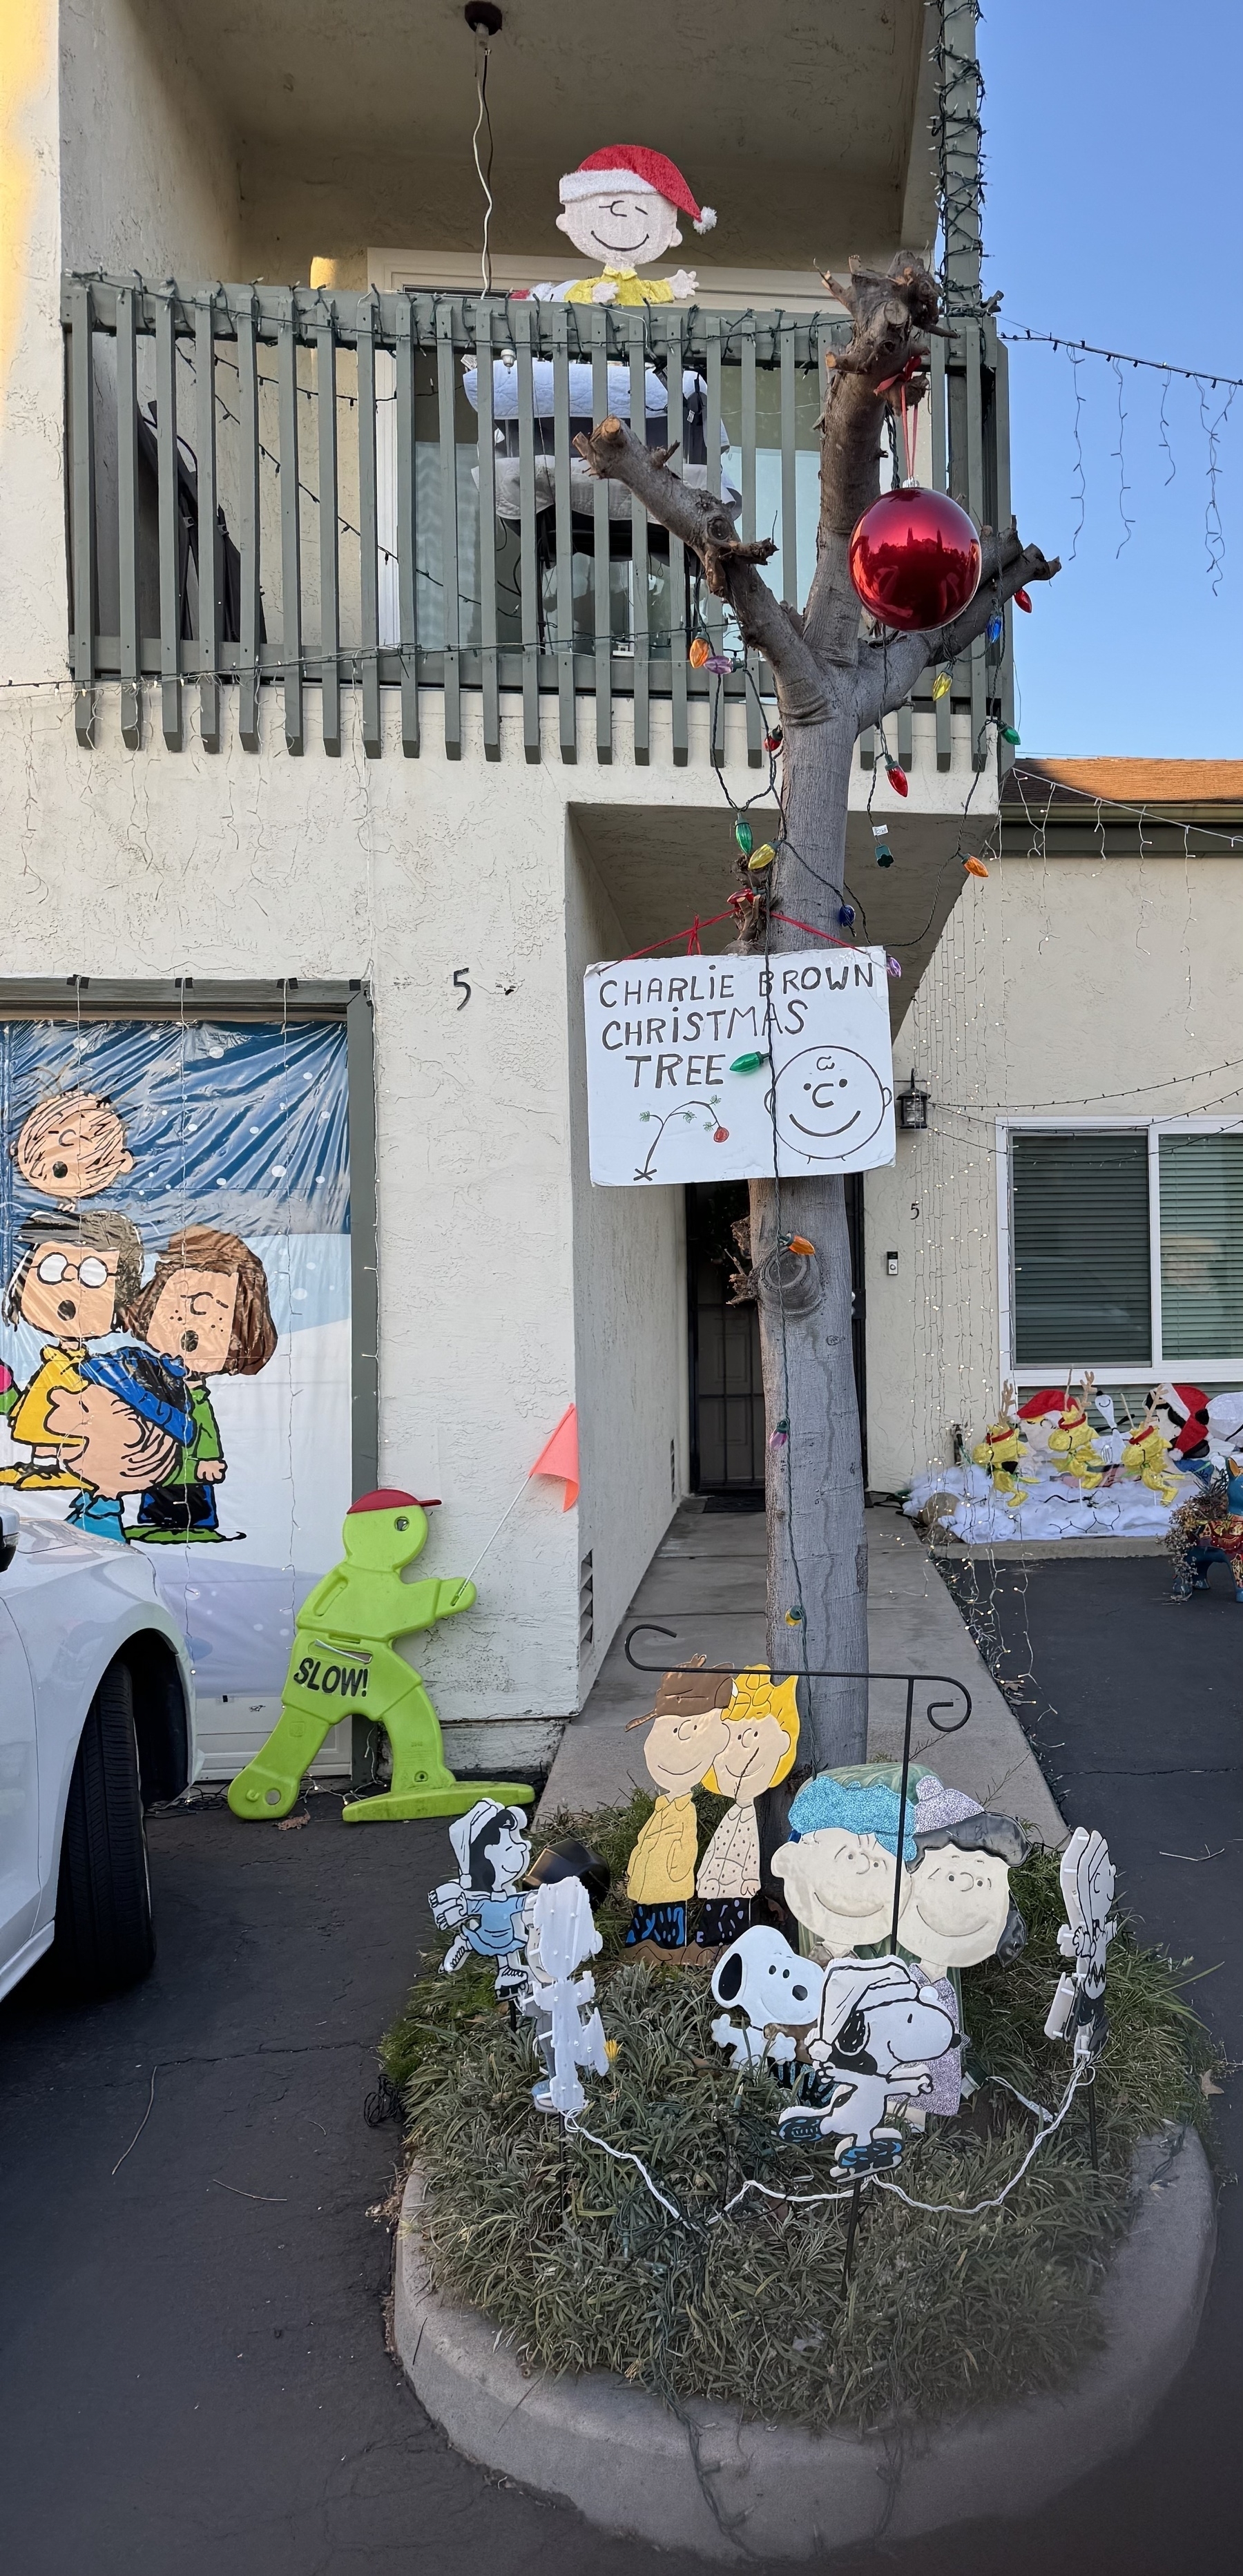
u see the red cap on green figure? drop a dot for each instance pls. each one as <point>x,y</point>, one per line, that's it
<point>390,1498</point>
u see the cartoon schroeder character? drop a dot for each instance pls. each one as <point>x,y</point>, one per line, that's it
<point>830,1102</point>
<point>74,1279</point>
<point>72,1146</point>
<point>125,1416</point>
<point>205,1310</point>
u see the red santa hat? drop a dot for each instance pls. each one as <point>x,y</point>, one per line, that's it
<point>1048,1401</point>
<point>630,165</point>
<point>1189,1406</point>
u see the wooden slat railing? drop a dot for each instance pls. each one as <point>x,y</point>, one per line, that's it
<point>449,540</point>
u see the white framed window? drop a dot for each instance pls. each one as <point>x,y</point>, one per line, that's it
<point>1121,1248</point>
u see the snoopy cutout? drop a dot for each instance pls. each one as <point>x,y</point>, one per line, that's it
<point>777,1992</point>
<point>879,2026</point>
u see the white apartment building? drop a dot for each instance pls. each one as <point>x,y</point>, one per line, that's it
<point>339,731</point>
<point>1075,1199</point>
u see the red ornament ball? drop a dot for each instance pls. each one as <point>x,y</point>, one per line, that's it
<point>915,559</point>
<point>721,1136</point>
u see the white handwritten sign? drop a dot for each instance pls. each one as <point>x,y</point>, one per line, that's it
<point>731,1068</point>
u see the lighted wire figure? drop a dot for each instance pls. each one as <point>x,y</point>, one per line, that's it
<point>685,1109</point>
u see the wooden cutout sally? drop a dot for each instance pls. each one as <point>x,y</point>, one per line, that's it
<point>762,1718</point>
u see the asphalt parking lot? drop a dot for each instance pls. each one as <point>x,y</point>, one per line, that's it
<point>193,2372</point>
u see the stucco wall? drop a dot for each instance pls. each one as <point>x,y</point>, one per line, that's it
<point>148,174</point>
<point>243,865</point>
<point>630,1316</point>
<point>1096,985</point>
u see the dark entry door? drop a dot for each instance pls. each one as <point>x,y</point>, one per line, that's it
<point>726,1379</point>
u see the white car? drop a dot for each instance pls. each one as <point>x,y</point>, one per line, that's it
<point>96,1723</point>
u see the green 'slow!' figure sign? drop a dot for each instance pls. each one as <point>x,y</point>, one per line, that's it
<point>343,1663</point>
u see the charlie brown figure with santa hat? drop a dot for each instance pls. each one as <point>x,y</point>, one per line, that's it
<point>621,206</point>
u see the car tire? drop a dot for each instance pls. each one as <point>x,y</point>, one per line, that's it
<point>105,1939</point>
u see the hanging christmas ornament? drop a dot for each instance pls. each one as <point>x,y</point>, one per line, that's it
<point>897,779</point>
<point>742,835</point>
<point>698,655</point>
<point>941,685</point>
<point>1022,601</point>
<point>915,559</point>
<point>773,741</point>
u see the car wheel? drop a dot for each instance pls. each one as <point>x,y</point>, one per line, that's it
<point>104,1934</point>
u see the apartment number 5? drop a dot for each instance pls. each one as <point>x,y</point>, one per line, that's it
<point>461,980</point>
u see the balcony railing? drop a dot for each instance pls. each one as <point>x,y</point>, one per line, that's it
<point>395,502</point>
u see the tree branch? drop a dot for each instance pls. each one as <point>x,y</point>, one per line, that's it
<point>702,522</point>
<point>892,314</point>
<point>889,665</point>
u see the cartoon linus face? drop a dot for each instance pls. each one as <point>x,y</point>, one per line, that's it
<point>841,1862</point>
<point>830,1102</point>
<point>121,1425</point>
<point>72,1145</point>
<point>621,227</point>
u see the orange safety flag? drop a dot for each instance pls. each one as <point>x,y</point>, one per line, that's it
<point>559,1456</point>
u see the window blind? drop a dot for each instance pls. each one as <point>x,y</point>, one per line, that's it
<point>1201,1247</point>
<point>1080,1232</point>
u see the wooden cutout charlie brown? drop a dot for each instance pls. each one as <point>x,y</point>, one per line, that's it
<point>621,207</point>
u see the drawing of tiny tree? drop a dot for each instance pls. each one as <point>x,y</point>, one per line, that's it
<point>685,1110</point>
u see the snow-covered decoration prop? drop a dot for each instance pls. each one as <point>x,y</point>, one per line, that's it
<point>686,1733</point>
<point>1207,1531</point>
<point>776,1991</point>
<point>568,2029</point>
<point>841,1867</point>
<point>762,1722</point>
<point>1060,1467</point>
<point>1078,2009</point>
<point>484,1906</point>
<point>880,2027</point>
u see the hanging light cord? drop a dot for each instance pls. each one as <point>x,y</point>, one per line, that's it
<point>483,119</point>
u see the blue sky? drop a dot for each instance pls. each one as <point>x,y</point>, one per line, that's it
<point>1112,144</point>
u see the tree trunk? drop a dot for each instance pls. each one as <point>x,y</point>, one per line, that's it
<point>831,683</point>
<point>817,1552</point>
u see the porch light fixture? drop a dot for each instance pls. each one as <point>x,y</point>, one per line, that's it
<point>913,1106</point>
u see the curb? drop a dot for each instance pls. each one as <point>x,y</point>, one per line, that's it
<point>737,2491</point>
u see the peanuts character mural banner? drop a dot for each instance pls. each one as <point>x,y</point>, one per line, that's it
<point>175,1320</point>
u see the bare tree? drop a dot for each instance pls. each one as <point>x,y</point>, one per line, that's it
<point>831,684</point>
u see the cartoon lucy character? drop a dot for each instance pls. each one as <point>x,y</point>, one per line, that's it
<point>72,1146</point>
<point>74,1279</point>
<point>205,1310</point>
<point>122,1418</point>
<point>687,1733</point>
<point>762,1718</point>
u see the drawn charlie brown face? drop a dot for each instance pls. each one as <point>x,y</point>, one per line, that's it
<point>829,1102</point>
